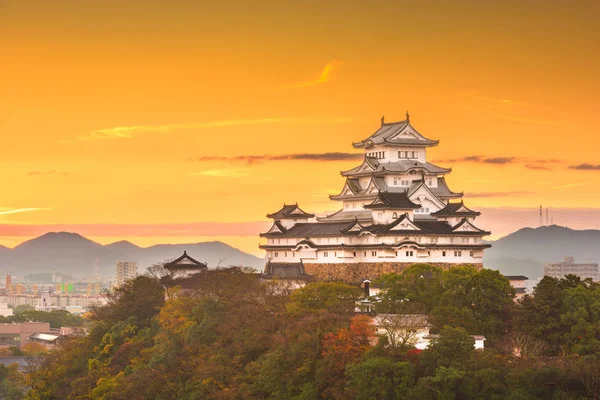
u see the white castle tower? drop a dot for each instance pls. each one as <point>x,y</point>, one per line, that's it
<point>395,210</point>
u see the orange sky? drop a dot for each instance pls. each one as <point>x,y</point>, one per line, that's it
<point>137,115</point>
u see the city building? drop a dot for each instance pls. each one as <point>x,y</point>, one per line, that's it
<point>395,209</point>
<point>5,311</point>
<point>54,301</point>
<point>569,267</point>
<point>519,283</point>
<point>17,334</point>
<point>125,270</point>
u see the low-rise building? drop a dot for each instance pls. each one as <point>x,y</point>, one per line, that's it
<point>519,283</point>
<point>17,334</point>
<point>569,267</point>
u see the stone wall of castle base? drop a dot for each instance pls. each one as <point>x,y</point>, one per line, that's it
<point>357,272</point>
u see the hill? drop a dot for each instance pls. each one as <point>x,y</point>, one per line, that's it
<point>73,254</point>
<point>527,250</point>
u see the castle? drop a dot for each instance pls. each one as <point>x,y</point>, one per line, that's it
<point>395,210</point>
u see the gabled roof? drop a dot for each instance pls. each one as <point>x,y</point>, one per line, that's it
<point>401,166</point>
<point>307,229</point>
<point>400,133</point>
<point>392,200</point>
<point>516,277</point>
<point>356,227</point>
<point>290,211</point>
<point>421,185</point>
<point>343,215</point>
<point>276,228</point>
<point>465,226</point>
<point>443,191</point>
<point>353,185</point>
<point>456,210</point>
<point>321,229</point>
<point>403,223</point>
<point>185,262</point>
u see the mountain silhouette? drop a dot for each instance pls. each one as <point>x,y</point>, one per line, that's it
<point>526,251</point>
<point>73,254</point>
<point>523,252</point>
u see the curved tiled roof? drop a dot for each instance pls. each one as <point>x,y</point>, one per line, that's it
<point>387,134</point>
<point>392,200</point>
<point>453,209</point>
<point>288,211</point>
<point>401,166</point>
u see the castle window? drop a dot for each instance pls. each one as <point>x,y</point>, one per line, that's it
<point>395,181</point>
<point>443,254</point>
<point>354,254</point>
<point>276,254</point>
<point>409,253</point>
<point>470,253</point>
<point>396,253</point>
<point>373,253</point>
<point>457,253</point>
<point>365,254</point>
<point>414,154</point>
<point>335,253</point>
<point>285,254</point>
<point>395,215</point>
<point>325,254</point>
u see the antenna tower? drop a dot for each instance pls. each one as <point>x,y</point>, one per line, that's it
<point>541,221</point>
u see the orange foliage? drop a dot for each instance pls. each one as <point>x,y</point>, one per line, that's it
<point>349,344</point>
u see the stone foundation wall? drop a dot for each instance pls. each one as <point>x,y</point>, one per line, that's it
<point>356,272</point>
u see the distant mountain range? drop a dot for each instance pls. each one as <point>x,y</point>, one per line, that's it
<point>526,251</point>
<point>521,253</point>
<point>73,254</point>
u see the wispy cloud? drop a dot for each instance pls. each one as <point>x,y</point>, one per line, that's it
<point>586,167</point>
<point>502,114</point>
<point>6,211</point>
<point>538,167</point>
<point>529,163</point>
<point>498,194</point>
<point>483,160</point>
<point>327,74</point>
<point>497,100</point>
<point>127,132</point>
<point>568,185</point>
<point>49,172</point>
<point>224,173</point>
<point>252,159</point>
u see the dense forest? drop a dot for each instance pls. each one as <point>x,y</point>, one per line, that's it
<point>236,337</point>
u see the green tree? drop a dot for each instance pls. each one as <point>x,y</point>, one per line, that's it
<point>380,378</point>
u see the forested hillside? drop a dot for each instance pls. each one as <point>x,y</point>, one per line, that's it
<point>236,337</point>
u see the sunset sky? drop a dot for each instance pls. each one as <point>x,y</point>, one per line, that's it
<point>181,121</point>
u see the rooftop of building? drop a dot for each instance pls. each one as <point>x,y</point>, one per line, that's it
<point>400,133</point>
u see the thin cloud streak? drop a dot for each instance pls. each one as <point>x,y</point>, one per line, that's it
<point>480,195</point>
<point>483,160</point>
<point>568,185</point>
<point>224,173</point>
<point>327,74</point>
<point>21,210</point>
<point>478,96</point>
<point>128,132</point>
<point>252,159</point>
<point>46,173</point>
<point>586,167</point>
